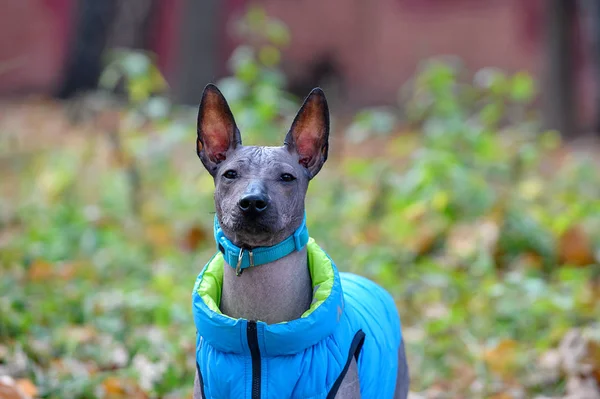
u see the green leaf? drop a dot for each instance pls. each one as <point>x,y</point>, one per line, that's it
<point>522,88</point>
<point>269,56</point>
<point>278,33</point>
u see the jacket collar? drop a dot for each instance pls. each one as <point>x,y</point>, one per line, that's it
<point>227,334</point>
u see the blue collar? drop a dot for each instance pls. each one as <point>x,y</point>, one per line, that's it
<point>242,258</point>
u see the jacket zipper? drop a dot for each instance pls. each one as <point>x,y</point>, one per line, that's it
<point>252,332</point>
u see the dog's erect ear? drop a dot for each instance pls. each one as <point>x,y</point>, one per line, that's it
<point>309,135</point>
<point>217,131</point>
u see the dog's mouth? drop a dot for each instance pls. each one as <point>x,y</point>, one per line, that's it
<point>254,225</point>
<point>254,232</point>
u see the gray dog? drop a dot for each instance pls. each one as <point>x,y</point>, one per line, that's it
<point>275,318</point>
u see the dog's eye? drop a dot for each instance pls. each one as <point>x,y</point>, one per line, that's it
<point>230,174</point>
<point>287,177</point>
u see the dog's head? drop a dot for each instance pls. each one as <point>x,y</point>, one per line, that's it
<point>259,191</point>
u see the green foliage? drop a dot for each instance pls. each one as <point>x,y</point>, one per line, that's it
<point>255,91</point>
<point>368,122</point>
<point>143,83</point>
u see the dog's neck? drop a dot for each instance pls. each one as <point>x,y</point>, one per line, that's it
<point>273,292</point>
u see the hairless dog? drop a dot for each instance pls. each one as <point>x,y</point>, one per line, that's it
<point>259,200</point>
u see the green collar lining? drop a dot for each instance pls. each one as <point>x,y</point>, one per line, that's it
<point>319,264</point>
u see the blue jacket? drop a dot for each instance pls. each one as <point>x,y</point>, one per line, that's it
<point>306,358</point>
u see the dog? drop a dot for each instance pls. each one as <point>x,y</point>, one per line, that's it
<point>274,317</point>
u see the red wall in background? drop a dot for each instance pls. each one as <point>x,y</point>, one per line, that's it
<point>33,43</point>
<point>165,35</point>
<point>35,37</point>
<point>377,44</point>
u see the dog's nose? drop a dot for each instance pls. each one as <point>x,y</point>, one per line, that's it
<point>254,203</point>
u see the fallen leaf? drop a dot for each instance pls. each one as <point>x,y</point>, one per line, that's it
<point>532,188</point>
<point>115,387</point>
<point>577,353</point>
<point>149,372</point>
<point>194,237</point>
<point>108,120</point>
<point>549,368</point>
<point>502,358</point>
<point>465,376</point>
<point>68,271</point>
<point>424,239</point>
<point>119,356</point>
<point>372,234</point>
<point>159,234</point>
<point>582,387</point>
<point>436,311</point>
<point>27,387</point>
<point>575,248</point>
<point>40,270</point>
<point>528,261</point>
<point>464,240</point>
<point>82,334</point>
<point>9,389</point>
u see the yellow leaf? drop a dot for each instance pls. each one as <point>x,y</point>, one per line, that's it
<point>40,270</point>
<point>113,386</point>
<point>531,188</point>
<point>158,81</point>
<point>415,211</point>
<point>502,359</point>
<point>269,55</point>
<point>422,241</point>
<point>440,200</point>
<point>139,89</point>
<point>159,234</point>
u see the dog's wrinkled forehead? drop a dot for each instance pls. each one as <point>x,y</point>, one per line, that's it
<point>262,161</point>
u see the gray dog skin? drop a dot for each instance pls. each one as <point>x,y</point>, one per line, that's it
<point>259,199</point>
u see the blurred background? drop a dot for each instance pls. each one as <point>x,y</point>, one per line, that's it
<point>463,177</point>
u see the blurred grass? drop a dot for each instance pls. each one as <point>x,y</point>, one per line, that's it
<point>485,230</point>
